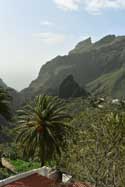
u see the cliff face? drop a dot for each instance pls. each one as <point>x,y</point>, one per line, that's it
<point>6,125</point>
<point>82,46</point>
<point>69,88</point>
<point>16,98</point>
<point>2,84</point>
<point>98,66</point>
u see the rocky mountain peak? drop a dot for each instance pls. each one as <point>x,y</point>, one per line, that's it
<point>69,88</point>
<point>106,40</point>
<point>82,46</point>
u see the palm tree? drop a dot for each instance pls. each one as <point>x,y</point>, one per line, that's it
<point>43,127</point>
<point>4,103</point>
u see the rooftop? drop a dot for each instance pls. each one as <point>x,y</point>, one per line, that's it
<point>42,177</point>
<point>35,180</point>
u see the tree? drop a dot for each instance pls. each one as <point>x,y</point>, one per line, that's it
<point>4,103</point>
<point>43,127</point>
<point>4,111</point>
<point>96,151</point>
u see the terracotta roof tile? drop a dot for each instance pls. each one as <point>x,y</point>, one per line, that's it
<point>34,180</point>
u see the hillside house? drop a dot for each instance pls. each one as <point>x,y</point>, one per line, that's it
<point>42,177</point>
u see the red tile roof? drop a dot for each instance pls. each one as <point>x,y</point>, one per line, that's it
<point>34,180</point>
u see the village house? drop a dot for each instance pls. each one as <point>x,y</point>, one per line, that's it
<point>42,177</point>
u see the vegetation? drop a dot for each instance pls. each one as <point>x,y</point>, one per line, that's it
<point>5,112</point>
<point>43,127</point>
<point>22,166</point>
<point>91,146</point>
<point>4,173</point>
<point>96,151</point>
<point>4,103</point>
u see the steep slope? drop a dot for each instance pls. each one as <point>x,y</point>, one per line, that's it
<point>16,98</point>
<point>109,84</point>
<point>4,130</point>
<point>69,88</point>
<point>87,62</point>
<point>2,84</point>
<point>15,102</point>
<point>82,46</point>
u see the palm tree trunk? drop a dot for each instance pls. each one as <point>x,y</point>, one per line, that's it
<point>42,154</point>
<point>42,163</point>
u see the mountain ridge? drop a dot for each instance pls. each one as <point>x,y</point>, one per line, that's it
<point>94,60</point>
<point>2,83</point>
<point>96,66</point>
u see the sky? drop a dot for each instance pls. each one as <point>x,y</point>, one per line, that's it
<point>33,32</point>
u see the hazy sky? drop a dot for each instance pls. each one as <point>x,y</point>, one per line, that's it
<point>34,31</point>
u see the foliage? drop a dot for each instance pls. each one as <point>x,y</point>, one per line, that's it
<point>4,173</point>
<point>42,127</point>
<point>22,166</point>
<point>4,103</point>
<point>93,149</point>
<point>96,151</point>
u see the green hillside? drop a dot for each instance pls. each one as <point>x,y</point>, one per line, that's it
<point>109,84</point>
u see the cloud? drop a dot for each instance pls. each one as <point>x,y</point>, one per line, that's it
<point>68,4</point>
<point>91,6</point>
<point>46,23</point>
<point>97,6</point>
<point>50,38</point>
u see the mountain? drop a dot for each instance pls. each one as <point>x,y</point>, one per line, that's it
<point>69,88</point>
<point>82,46</point>
<point>99,67</point>
<point>5,126</point>
<point>2,84</point>
<point>4,130</point>
<point>16,97</point>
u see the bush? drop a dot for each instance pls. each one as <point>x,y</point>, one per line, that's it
<point>96,151</point>
<point>3,173</point>
<point>22,166</point>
